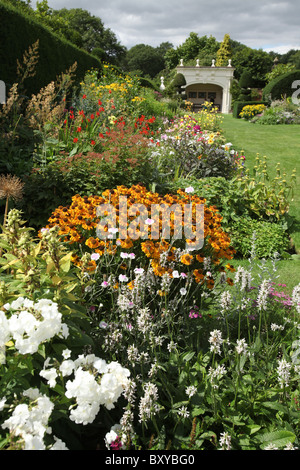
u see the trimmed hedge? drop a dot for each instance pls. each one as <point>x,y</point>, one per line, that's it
<point>280,86</point>
<point>18,32</point>
<point>238,106</point>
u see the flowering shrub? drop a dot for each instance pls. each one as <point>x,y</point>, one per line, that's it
<point>279,112</point>
<point>251,110</point>
<point>46,377</point>
<point>185,149</point>
<point>91,382</point>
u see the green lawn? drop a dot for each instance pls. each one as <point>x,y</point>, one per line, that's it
<point>279,143</point>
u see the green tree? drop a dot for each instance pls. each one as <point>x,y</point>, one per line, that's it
<point>93,33</point>
<point>256,61</point>
<point>203,48</point>
<point>280,69</point>
<point>224,53</point>
<point>145,59</point>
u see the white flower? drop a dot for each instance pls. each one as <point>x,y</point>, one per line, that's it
<point>183,291</point>
<point>67,367</point>
<point>284,372</point>
<point>215,340</point>
<point>95,256</point>
<point>225,441</point>
<point>190,391</point>
<point>50,375</point>
<point>241,346</point>
<point>175,274</point>
<point>190,189</point>
<point>4,329</point>
<point>138,270</point>
<point>149,221</point>
<point>2,403</point>
<point>183,411</point>
<point>110,437</point>
<point>34,324</point>
<point>58,445</point>
<point>123,278</point>
<point>296,297</point>
<point>66,353</point>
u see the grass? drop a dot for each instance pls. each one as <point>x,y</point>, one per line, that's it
<point>279,143</point>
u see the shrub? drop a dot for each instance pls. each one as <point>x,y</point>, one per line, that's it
<point>281,86</point>
<point>239,105</point>
<point>270,238</point>
<point>249,111</point>
<point>124,159</point>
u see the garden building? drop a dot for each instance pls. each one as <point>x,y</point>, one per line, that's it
<point>208,84</point>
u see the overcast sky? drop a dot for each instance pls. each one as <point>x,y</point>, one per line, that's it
<point>260,24</point>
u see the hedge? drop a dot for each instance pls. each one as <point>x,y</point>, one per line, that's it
<point>281,86</point>
<point>18,32</point>
<point>238,106</point>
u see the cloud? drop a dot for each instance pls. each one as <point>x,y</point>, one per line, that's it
<point>272,24</point>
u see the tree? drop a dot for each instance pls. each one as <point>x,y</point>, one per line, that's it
<point>93,33</point>
<point>224,53</point>
<point>256,61</point>
<point>203,48</point>
<point>280,69</point>
<point>146,59</point>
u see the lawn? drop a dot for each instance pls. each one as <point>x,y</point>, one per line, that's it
<point>279,143</point>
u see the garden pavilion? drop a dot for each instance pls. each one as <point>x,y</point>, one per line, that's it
<point>208,84</point>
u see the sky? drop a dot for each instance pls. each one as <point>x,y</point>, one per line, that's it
<point>259,24</point>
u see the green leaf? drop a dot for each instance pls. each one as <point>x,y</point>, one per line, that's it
<point>278,438</point>
<point>188,356</point>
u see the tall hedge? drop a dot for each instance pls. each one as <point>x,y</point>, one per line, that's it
<point>280,86</point>
<point>19,31</point>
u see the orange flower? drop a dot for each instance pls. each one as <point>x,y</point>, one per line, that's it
<point>186,259</point>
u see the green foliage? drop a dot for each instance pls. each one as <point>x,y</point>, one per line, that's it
<point>281,86</point>
<point>224,53</point>
<point>256,62</point>
<point>145,58</point>
<point>270,238</point>
<point>50,64</point>
<point>194,47</point>
<point>280,69</point>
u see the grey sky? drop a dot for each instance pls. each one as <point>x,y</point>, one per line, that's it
<point>268,24</point>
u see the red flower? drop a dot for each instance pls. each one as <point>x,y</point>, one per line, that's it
<point>78,129</point>
<point>75,140</point>
<point>83,97</point>
<point>101,135</point>
<point>93,142</point>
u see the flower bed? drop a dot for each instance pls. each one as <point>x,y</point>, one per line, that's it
<point>123,323</point>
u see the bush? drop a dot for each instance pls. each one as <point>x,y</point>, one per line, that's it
<point>239,105</point>
<point>281,86</point>
<point>249,111</point>
<point>280,112</point>
<point>270,238</point>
